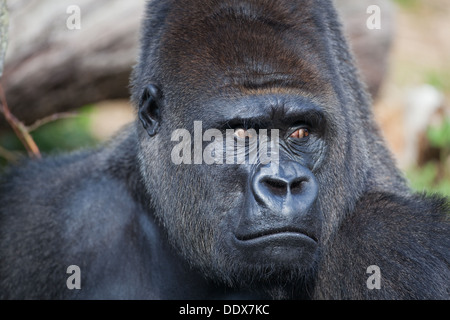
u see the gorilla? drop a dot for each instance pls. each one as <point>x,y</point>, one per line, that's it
<point>329,217</point>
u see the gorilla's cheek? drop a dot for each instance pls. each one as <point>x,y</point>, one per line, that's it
<point>196,218</point>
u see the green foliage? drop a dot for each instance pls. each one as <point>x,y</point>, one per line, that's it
<point>408,4</point>
<point>439,136</point>
<point>427,179</point>
<point>66,134</point>
<point>434,176</point>
<point>438,79</point>
<point>58,136</point>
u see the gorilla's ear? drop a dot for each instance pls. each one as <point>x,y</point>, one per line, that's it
<point>149,109</point>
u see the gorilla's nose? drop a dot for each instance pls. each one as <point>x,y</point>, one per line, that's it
<point>287,187</point>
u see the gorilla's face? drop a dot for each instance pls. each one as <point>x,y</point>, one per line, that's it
<point>234,182</point>
<point>229,213</point>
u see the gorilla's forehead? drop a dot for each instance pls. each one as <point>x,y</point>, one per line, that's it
<point>246,45</point>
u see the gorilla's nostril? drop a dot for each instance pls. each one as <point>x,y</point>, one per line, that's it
<point>280,187</point>
<point>275,186</point>
<point>296,187</point>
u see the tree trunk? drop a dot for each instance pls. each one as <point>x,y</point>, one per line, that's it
<point>3,33</point>
<point>51,68</point>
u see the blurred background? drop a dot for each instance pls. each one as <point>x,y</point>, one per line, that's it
<point>61,60</point>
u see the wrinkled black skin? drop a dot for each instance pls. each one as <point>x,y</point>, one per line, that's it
<point>140,227</point>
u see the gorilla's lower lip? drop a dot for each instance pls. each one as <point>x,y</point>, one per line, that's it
<point>282,247</point>
<point>275,233</point>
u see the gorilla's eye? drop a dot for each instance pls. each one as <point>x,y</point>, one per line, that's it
<point>300,133</point>
<point>242,133</point>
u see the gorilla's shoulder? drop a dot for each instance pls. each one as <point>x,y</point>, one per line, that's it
<point>55,182</point>
<point>407,237</point>
<point>35,177</point>
<point>51,176</point>
<point>411,211</point>
<point>415,221</point>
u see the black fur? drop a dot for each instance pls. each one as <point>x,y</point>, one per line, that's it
<point>141,227</point>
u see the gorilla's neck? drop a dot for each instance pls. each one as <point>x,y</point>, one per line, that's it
<point>120,156</point>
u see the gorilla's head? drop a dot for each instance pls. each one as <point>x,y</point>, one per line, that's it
<point>236,69</point>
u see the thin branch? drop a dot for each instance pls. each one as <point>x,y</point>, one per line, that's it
<point>51,118</point>
<point>19,128</point>
<point>10,156</point>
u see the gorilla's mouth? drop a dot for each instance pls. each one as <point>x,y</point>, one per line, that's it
<point>276,233</point>
<point>288,246</point>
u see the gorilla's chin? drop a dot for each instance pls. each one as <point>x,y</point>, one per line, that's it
<point>264,262</point>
